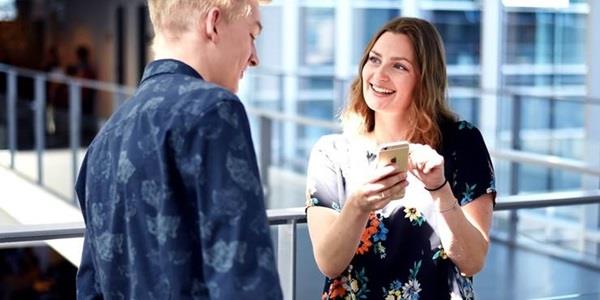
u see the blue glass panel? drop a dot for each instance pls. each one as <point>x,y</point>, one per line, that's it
<point>367,22</point>
<point>461,33</point>
<point>317,36</point>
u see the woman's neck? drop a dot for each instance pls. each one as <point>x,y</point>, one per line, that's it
<point>390,128</point>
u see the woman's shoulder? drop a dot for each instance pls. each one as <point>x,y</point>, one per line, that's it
<point>332,143</point>
<point>459,130</point>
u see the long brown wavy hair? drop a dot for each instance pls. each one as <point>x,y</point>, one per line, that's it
<point>429,107</point>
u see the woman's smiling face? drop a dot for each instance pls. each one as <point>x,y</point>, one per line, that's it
<point>390,74</point>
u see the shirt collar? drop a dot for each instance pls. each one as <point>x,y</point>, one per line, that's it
<point>168,66</point>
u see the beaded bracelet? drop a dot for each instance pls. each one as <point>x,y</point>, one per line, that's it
<point>437,188</point>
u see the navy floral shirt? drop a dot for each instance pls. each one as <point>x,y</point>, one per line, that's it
<point>400,255</point>
<point>172,199</point>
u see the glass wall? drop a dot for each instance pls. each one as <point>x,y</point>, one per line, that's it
<point>542,62</point>
<point>542,77</point>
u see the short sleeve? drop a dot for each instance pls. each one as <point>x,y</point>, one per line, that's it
<point>324,181</point>
<point>473,172</point>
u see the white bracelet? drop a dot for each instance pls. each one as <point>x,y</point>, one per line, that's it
<point>448,209</point>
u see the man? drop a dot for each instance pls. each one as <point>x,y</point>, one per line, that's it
<point>169,188</point>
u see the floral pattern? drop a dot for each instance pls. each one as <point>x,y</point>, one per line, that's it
<point>171,196</point>
<point>415,216</point>
<point>353,286</point>
<point>409,290</point>
<point>374,234</point>
<point>398,244</point>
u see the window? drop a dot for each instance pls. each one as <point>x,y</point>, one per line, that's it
<point>8,10</point>
<point>366,23</point>
<point>317,36</point>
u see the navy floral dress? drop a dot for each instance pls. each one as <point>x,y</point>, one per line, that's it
<point>400,255</point>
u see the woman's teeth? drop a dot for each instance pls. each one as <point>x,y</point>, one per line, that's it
<point>381,90</point>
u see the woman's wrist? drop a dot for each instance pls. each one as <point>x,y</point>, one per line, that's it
<point>447,207</point>
<point>443,198</point>
<point>357,209</point>
<point>438,187</point>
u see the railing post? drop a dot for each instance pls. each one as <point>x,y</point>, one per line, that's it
<point>513,219</point>
<point>286,258</point>
<point>280,130</point>
<point>551,143</point>
<point>266,135</point>
<point>338,94</point>
<point>11,114</point>
<point>75,130</point>
<point>40,108</point>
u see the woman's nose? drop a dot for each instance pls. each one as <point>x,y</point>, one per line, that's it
<point>380,73</point>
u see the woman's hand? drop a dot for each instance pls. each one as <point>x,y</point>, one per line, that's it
<point>382,186</point>
<point>427,165</point>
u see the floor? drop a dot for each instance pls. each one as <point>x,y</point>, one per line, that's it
<point>508,274</point>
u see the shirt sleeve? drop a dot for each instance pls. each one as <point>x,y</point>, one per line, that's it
<point>324,182</point>
<point>219,164</point>
<point>86,274</point>
<point>474,173</point>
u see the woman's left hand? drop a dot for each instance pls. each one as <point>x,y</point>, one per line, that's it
<point>427,165</point>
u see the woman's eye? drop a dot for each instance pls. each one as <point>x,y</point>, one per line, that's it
<point>400,67</point>
<point>373,59</point>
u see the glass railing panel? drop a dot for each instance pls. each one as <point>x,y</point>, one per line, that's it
<point>57,158</point>
<point>4,150</point>
<point>558,229</point>
<point>36,272</point>
<point>309,280</point>
<point>25,155</point>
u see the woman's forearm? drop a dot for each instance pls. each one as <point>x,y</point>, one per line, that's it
<point>336,247</point>
<point>463,242</point>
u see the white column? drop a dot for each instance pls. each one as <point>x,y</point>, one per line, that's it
<point>410,8</point>
<point>290,37</point>
<point>344,34</point>
<point>491,63</point>
<point>343,38</point>
<point>131,54</point>
<point>592,122</point>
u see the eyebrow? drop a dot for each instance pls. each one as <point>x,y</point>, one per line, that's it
<point>395,58</point>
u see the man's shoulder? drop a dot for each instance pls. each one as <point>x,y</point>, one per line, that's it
<point>180,94</point>
<point>194,94</point>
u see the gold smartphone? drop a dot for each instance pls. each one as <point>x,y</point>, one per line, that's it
<point>394,153</point>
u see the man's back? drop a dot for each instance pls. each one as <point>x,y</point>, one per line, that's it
<point>171,196</point>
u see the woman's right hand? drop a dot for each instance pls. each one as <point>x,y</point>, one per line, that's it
<point>382,186</point>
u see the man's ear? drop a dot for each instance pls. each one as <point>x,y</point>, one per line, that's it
<point>213,20</point>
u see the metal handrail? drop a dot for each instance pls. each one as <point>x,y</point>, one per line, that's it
<point>68,80</point>
<point>545,160</point>
<point>279,216</point>
<point>122,89</point>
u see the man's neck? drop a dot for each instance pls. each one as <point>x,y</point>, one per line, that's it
<point>182,49</point>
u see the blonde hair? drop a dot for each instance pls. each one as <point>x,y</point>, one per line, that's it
<point>429,107</point>
<point>176,16</point>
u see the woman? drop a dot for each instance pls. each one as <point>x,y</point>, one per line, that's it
<point>428,244</point>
